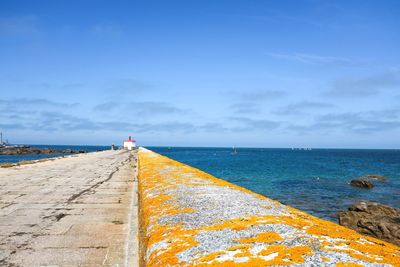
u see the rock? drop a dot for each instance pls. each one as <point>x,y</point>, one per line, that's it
<point>35,151</point>
<point>47,151</point>
<point>373,219</point>
<point>26,150</point>
<point>361,183</point>
<point>374,177</point>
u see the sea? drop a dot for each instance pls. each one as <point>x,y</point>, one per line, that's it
<point>315,181</point>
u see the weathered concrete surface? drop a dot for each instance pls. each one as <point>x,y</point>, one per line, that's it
<point>75,211</point>
<point>190,218</point>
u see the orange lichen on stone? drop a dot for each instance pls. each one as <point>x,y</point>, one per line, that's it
<point>243,253</point>
<point>348,264</point>
<point>349,242</point>
<point>212,256</point>
<point>237,247</point>
<point>239,227</point>
<point>170,234</point>
<point>325,259</point>
<point>178,240</point>
<point>286,255</point>
<point>380,253</point>
<point>266,237</point>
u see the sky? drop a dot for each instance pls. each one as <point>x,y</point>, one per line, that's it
<point>245,73</point>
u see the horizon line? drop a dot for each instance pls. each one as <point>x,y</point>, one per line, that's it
<point>229,147</point>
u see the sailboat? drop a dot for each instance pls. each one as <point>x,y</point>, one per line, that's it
<point>234,152</point>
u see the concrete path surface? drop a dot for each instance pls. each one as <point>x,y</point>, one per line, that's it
<point>74,211</point>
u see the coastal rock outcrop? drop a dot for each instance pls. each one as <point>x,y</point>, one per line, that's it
<point>364,181</point>
<point>373,219</point>
<point>361,183</point>
<point>27,150</point>
<point>377,177</point>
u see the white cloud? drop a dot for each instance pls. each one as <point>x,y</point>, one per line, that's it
<point>365,86</point>
<point>316,59</point>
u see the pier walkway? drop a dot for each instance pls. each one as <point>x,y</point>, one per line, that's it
<point>79,210</point>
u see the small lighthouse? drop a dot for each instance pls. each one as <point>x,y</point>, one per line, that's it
<point>130,143</point>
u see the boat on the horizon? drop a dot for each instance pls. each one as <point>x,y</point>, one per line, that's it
<point>234,151</point>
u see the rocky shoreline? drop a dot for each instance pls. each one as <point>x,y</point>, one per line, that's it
<point>28,150</point>
<point>373,219</point>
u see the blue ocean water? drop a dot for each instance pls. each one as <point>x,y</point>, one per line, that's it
<point>18,158</point>
<point>315,181</point>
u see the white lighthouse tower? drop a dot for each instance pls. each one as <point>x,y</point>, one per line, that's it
<point>130,143</point>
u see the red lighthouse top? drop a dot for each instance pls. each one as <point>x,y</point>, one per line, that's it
<point>130,139</point>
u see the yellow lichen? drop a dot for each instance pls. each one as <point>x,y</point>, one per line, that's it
<point>348,264</point>
<point>325,259</point>
<point>286,255</point>
<point>268,237</point>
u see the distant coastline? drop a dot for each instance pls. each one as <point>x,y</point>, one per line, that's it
<point>55,151</point>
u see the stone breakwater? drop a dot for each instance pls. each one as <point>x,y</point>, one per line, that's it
<point>190,218</point>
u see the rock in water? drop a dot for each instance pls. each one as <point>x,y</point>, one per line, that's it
<point>373,219</point>
<point>374,177</point>
<point>361,183</point>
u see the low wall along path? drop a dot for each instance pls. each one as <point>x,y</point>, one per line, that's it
<point>190,218</point>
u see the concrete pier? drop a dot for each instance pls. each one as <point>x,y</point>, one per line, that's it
<point>82,210</point>
<point>190,218</point>
<point>75,211</point>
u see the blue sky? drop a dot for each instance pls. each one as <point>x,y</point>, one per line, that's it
<point>201,72</point>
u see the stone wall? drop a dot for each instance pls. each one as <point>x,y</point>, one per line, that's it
<point>190,218</point>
